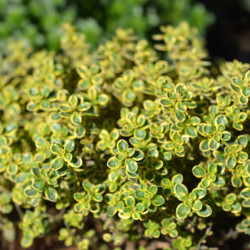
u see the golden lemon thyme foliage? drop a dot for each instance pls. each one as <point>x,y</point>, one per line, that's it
<point>141,147</point>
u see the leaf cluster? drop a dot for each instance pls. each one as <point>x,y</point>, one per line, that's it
<point>120,140</point>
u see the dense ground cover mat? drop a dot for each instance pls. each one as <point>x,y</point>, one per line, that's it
<point>123,143</point>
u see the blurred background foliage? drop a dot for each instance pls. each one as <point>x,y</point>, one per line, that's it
<point>39,22</point>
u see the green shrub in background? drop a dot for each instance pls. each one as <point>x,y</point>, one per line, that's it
<point>116,145</point>
<point>39,21</point>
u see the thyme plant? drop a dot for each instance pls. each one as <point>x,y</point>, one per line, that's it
<point>117,145</point>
